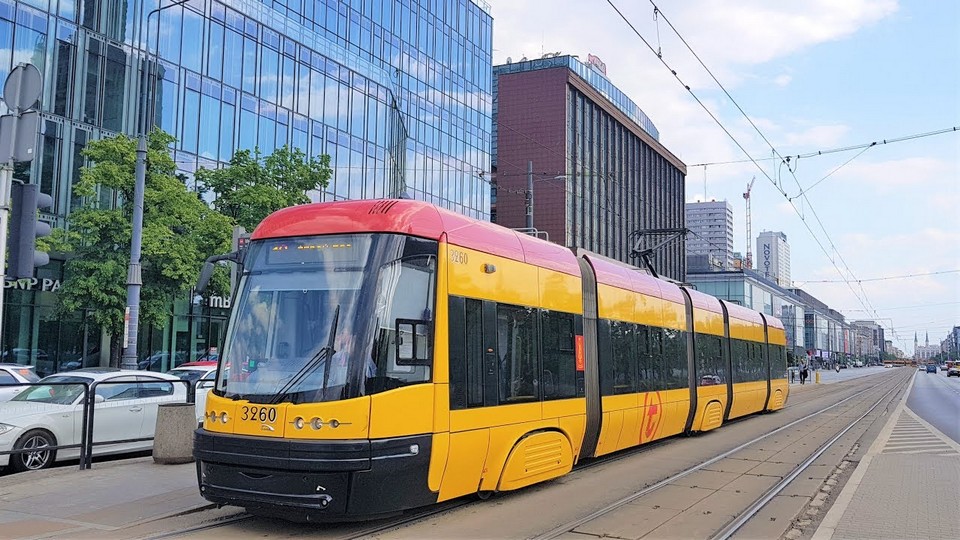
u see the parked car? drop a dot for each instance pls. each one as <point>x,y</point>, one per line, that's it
<point>49,415</point>
<point>203,375</point>
<point>931,368</point>
<point>155,362</point>
<point>954,371</point>
<point>36,357</point>
<point>13,375</point>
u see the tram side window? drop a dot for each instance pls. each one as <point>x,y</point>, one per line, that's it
<point>624,350</point>
<point>778,362</point>
<point>559,357</point>
<point>675,359</point>
<point>474,353</point>
<point>517,353</point>
<point>711,369</point>
<point>740,362</point>
<point>466,353</point>
<point>753,366</point>
<point>761,364</point>
<point>650,346</point>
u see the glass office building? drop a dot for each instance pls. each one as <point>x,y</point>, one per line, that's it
<point>398,93</point>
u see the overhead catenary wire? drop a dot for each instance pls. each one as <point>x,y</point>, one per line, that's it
<point>884,278</point>
<point>861,295</point>
<point>818,153</point>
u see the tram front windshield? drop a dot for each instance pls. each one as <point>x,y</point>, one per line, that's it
<point>317,318</point>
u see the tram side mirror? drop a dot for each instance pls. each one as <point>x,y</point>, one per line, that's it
<point>412,338</point>
<point>210,264</point>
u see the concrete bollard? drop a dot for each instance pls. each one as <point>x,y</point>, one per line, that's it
<point>173,438</point>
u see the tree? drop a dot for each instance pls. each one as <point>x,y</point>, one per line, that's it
<point>251,187</point>
<point>179,231</point>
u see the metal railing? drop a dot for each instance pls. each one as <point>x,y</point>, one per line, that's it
<point>88,403</point>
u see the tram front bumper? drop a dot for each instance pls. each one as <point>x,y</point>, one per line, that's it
<point>311,480</point>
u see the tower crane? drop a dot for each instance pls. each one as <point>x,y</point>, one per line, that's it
<point>749,262</point>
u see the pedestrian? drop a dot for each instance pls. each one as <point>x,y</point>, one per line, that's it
<point>803,374</point>
<point>838,367</point>
<point>792,373</point>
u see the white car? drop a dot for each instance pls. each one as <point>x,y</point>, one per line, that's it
<point>202,375</point>
<point>52,415</point>
<point>12,376</point>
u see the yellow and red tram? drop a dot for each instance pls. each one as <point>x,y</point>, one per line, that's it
<point>385,355</point>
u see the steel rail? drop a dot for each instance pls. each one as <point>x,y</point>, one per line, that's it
<point>731,528</point>
<point>571,525</point>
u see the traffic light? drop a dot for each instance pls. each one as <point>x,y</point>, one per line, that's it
<point>26,199</point>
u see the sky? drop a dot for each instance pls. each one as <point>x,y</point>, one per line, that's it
<point>809,77</point>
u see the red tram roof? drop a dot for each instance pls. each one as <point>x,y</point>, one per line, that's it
<point>737,311</point>
<point>630,278</point>
<point>774,322</point>
<point>417,218</point>
<point>705,301</point>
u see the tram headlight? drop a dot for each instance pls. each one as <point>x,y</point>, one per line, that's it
<point>298,422</point>
<point>212,415</point>
<point>223,417</point>
<point>316,423</point>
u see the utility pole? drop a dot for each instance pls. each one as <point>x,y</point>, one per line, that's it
<point>18,138</point>
<point>131,317</point>
<point>749,262</point>
<point>530,195</point>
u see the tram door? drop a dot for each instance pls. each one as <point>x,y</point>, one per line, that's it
<point>474,375</point>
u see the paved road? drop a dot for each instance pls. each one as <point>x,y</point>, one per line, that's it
<point>830,376</point>
<point>936,398</point>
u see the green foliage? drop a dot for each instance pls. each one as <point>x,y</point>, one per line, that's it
<point>179,231</point>
<point>251,187</point>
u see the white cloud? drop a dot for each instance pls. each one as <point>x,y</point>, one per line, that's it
<point>782,80</point>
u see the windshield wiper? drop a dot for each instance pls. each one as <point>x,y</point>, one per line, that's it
<point>323,355</point>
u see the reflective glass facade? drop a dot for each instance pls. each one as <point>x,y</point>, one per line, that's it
<point>398,93</point>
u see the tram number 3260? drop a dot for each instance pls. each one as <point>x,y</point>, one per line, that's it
<point>262,414</point>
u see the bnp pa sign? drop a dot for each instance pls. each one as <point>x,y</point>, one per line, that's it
<point>32,284</point>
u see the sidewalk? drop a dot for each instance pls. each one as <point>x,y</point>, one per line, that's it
<point>67,503</point>
<point>906,486</point>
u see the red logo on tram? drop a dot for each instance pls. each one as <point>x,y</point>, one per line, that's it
<point>578,345</point>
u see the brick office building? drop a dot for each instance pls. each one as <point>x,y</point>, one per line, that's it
<point>600,174</point>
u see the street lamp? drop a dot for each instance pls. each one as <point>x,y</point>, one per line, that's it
<point>134,281</point>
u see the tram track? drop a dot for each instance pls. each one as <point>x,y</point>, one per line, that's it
<point>759,503</point>
<point>823,402</point>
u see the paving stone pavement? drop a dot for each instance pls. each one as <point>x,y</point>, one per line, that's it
<point>908,487</point>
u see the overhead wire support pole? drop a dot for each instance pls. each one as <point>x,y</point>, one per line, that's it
<point>529,195</point>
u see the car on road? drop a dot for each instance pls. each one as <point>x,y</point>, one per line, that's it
<point>126,406</point>
<point>954,371</point>
<point>202,375</point>
<point>931,368</point>
<point>12,376</point>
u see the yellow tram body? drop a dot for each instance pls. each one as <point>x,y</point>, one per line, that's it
<point>536,357</point>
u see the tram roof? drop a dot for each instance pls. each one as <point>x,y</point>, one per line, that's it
<point>623,276</point>
<point>416,218</point>
<point>704,301</point>
<point>737,311</point>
